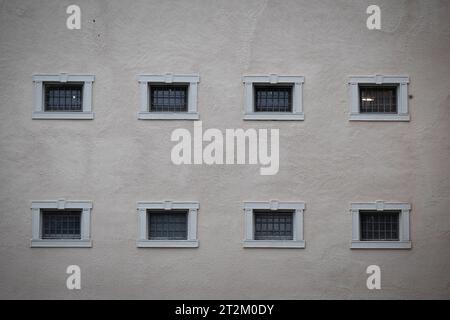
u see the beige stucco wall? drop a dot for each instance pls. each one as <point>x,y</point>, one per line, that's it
<point>326,161</point>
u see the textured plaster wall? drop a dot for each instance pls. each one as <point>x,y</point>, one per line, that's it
<point>326,161</point>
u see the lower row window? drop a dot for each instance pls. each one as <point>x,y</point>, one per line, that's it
<point>272,224</point>
<point>163,225</point>
<point>63,97</point>
<point>65,224</point>
<point>380,225</point>
<point>168,224</point>
<point>61,223</point>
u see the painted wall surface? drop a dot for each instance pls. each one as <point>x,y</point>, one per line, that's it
<point>326,160</point>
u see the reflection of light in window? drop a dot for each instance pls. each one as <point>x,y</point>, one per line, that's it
<point>368,99</point>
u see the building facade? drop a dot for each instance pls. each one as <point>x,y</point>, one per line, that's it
<point>91,181</point>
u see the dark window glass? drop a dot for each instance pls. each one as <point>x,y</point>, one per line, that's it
<point>63,97</point>
<point>273,99</point>
<point>376,225</point>
<point>169,98</point>
<point>273,225</point>
<point>61,224</point>
<point>167,225</point>
<point>381,99</point>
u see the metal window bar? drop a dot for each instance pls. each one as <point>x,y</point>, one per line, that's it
<point>379,226</point>
<point>61,225</point>
<point>168,98</point>
<point>63,97</point>
<point>273,225</point>
<point>378,99</point>
<point>167,225</point>
<point>273,99</point>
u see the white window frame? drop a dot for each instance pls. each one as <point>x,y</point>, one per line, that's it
<point>402,97</point>
<point>39,96</point>
<point>404,241</point>
<point>249,222</point>
<point>191,206</point>
<point>297,97</point>
<point>61,204</point>
<point>192,80</point>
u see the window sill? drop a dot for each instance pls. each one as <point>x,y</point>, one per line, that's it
<point>167,244</point>
<point>381,245</point>
<point>63,115</point>
<point>275,116</point>
<point>379,117</point>
<point>61,243</point>
<point>298,244</point>
<point>168,116</point>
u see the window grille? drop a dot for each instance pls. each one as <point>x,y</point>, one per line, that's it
<point>273,225</point>
<point>63,97</point>
<point>378,226</point>
<point>378,99</point>
<point>167,225</point>
<point>169,98</point>
<point>273,99</point>
<point>61,225</point>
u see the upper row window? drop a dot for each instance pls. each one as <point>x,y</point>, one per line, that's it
<point>379,98</point>
<point>168,97</point>
<point>63,96</point>
<point>273,97</point>
<point>267,97</point>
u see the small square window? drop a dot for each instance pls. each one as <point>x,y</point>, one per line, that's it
<point>379,98</point>
<point>382,99</point>
<point>168,98</point>
<point>379,226</point>
<point>271,225</point>
<point>274,224</point>
<point>163,225</point>
<point>61,224</point>
<point>273,98</point>
<point>167,224</point>
<point>63,97</point>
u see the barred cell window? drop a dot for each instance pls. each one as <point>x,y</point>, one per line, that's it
<point>59,224</point>
<point>379,226</point>
<point>169,98</point>
<point>273,225</point>
<point>164,225</point>
<point>63,97</point>
<point>273,99</point>
<point>378,99</point>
